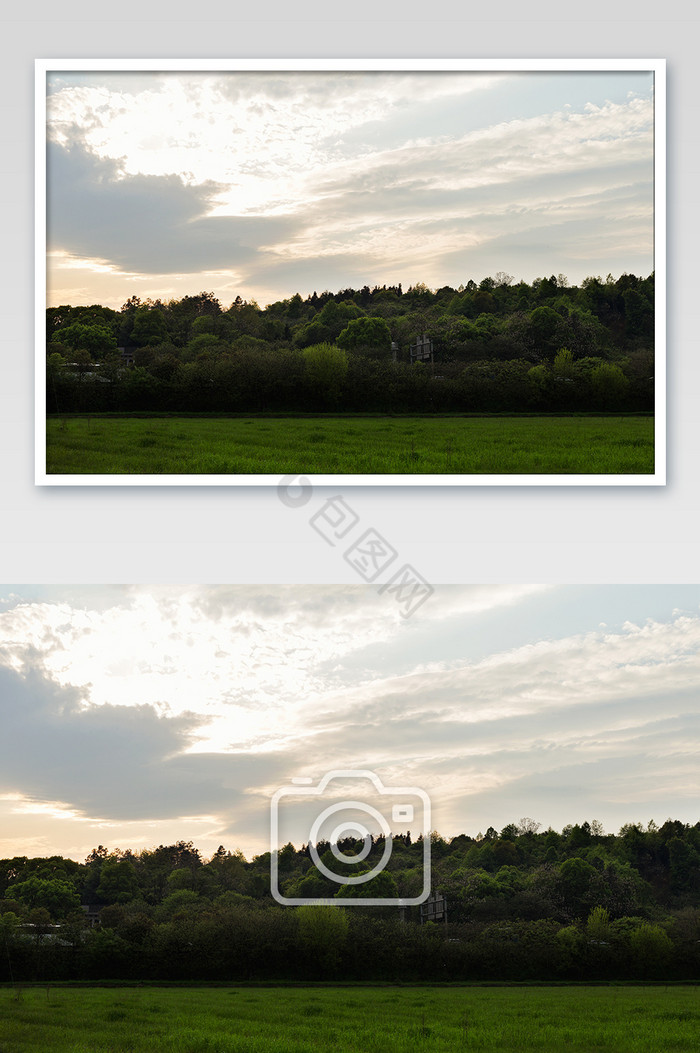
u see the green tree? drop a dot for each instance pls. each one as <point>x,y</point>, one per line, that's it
<point>461,305</point>
<point>372,334</point>
<point>541,381</point>
<point>327,324</point>
<point>83,360</point>
<point>182,902</point>
<point>40,920</point>
<point>229,870</point>
<point>56,896</point>
<point>55,372</point>
<point>326,368</point>
<point>684,863</point>
<point>651,948</point>
<point>97,340</point>
<point>287,857</point>
<point>563,367</point>
<point>575,875</point>
<point>381,886</point>
<point>323,933</point>
<point>480,885</point>
<point>312,886</point>
<point>9,925</point>
<point>544,322</point>
<point>598,925</point>
<point>609,384</point>
<point>107,955</point>
<point>484,302</point>
<point>149,327</point>
<point>639,314</point>
<point>118,881</point>
<point>204,343</point>
<point>569,944</point>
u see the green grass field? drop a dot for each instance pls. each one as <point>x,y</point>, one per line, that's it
<point>351,445</point>
<point>350,1020</point>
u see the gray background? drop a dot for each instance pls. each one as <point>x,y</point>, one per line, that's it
<point>476,534</point>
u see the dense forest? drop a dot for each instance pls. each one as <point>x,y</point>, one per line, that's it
<point>496,347</point>
<point>522,904</point>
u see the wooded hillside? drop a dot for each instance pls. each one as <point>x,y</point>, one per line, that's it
<point>497,347</point>
<point>522,904</point>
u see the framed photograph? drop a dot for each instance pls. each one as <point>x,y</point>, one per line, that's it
<point>376,272</point>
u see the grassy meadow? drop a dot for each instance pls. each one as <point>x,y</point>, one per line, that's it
<point>349,1020</point>
<point>350,445</point>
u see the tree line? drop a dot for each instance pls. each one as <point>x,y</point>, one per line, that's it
<point>498,346</point>
<point>522,904</point>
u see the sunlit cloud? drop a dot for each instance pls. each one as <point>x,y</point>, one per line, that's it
<point>239,176</point>
<point>137,714</point>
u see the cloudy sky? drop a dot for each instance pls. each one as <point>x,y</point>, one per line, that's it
<point>264,184</point>
<point>133,716</point>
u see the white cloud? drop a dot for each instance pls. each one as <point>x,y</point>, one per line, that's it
<point>239,175</point>
<point>589,669</point>
<point>189,705</point>
<point>256,133</point>
<point>253,664</point>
